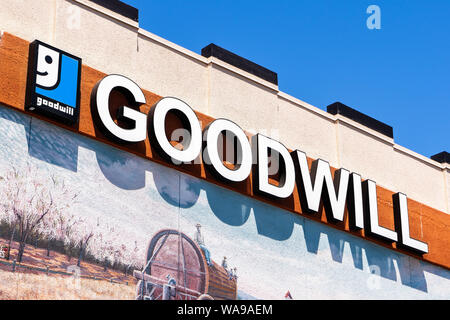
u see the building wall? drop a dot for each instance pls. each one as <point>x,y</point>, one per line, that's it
<point>215,88</point>
<point>274,250</point>
<point>291,252</point>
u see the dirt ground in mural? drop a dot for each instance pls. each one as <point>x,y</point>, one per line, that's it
<point>27,286</point>
<point>37,257</point>
<point>26,283</point>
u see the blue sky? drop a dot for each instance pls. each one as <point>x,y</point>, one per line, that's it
<point>323,52</point>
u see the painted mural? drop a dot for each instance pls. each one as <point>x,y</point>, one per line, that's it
<point>83,220</point>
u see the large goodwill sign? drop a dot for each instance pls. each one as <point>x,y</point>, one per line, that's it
<point>225,150</point>
<point>256,157</point>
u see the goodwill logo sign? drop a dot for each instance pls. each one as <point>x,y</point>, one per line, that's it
<point>53,87</point>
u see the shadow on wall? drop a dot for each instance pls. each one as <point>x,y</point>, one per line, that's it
<point>278,224</point>
<point>59,147</point>
<point>52,145</point>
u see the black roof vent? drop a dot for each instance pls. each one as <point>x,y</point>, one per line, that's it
<point>239,62</point>
<point>120,8</point>
<point>361,118</point>
<point>443,157</point>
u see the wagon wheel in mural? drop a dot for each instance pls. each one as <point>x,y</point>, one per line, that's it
<point>175,269</point>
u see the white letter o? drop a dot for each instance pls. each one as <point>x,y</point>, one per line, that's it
<point>244,161</point>
<point>194,145</point>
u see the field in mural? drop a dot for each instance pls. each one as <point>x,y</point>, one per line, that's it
<point>29,286</point>
<point>82,220</point>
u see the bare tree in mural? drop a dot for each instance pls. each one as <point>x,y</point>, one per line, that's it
<point>83,235</point>
<point>30,199</point>
<point>104,245</point>
<point>68,229</point>
<point>132,257</point>
<point>10,220</point>
<point>58,227</point>
<point>113,246</point>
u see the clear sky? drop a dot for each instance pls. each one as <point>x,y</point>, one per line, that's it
<point>324,52</point>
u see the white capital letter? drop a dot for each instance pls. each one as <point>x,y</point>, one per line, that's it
<point>193,144</point>
<point>370,195</point>
<point>101,95</point>
<point>402,224</point>
<point>212,157</point>
<point>355,203</point>
<point>261,146</point>
<point>312,185</point>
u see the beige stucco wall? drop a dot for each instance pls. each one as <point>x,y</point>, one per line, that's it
<point>113,44</point>
<point>307,129</point>
<point>27,18</point>
<point>249,104</point>
<point>447,190</point>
